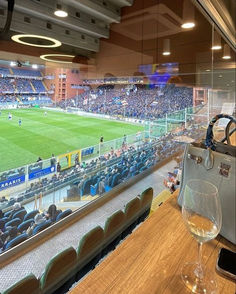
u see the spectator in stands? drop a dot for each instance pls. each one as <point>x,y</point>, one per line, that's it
<point>1,214</point>
<point>16,207</point>
<point>58,167</point>
<point>53,160</point>
<point>38,219</point>
<point>52,213</point>
<point>101,186</point>
<point>39,159</point>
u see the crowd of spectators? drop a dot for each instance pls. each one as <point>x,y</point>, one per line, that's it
<point>26,72</point>
<point>7,98</point>
<point>6,85</point>
<point>38,85</point>
<point>137,103</point>
<point>21,86</point>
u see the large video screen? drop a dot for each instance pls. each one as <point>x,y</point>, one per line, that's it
<point>159,74</point>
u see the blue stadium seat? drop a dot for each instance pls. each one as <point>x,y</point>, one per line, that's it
<point>17,240</point>
<point>31,214</point>
<point>63,214</point>
<point>86,187</point>
<point>24,226</point>
<point>115,180</point>
<point>7,214</point>
<point>125,173</point>
<point>13,222</point>
<point>20,214</point>
<point>94,189</point>
<point>41,227</point>
<point>2,224</point>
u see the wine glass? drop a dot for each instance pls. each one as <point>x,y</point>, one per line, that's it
<point>201,211</point>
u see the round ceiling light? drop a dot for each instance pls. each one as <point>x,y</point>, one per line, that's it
<point>48,42</point>
<point>50,57</point>
<point>188,25</point>
<point>61,13</point>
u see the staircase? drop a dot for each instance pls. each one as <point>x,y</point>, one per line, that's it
<point>32,86</point>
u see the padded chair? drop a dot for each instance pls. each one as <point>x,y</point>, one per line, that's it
<point>132,210</point>
<point>125,173</point>
<point>94,189</point>
<point>20,214</point>
<point>2,224</point>
<point>17,240</point>
<point>115,180</point>
<point>146,202</point>
<point>41,227</point>
<point>89,250</point>
<point>13,222</point>
<point>31,214</point>
<point>86,187</point>
<point>63,214</point>
<point>7,214</point>
<point>112,231</point>
<point>24,226</point>
<point>58,271</point>
<point>28,285</point>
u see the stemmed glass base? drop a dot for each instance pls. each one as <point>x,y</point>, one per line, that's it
<point>197,281</point>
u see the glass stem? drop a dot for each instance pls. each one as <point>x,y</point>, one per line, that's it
<point>199,266</point>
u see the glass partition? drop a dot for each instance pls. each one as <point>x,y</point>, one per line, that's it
<point>153,85</point>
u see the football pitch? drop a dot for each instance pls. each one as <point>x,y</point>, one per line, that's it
<point>41,135</point>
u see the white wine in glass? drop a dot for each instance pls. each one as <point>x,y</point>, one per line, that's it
<point>201,212</point>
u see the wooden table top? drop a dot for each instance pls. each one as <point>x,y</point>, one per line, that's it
<point>149,261</point>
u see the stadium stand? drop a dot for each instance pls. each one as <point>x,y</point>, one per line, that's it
<point>4,71</point>
<point>38,85</point>
<point>138,103</point>
<point>71,264</point>
<point>23,86</point>
<point>26,72</point>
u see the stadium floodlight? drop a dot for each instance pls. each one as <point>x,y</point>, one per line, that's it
<point>12,63</point>
<point>34,66</point>
<point>46,57</point>
<point>18,38</point>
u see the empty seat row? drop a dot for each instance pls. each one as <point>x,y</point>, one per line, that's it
<point>71,264</point>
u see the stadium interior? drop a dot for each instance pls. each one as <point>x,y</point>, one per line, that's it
<point>98,101</point>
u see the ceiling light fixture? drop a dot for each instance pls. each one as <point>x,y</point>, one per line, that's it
<point>60,10</point>
<point>45,57</point>
<point>216,41</point>
<point>60,13</point>
<point>188,15</point>
<point>188,25</point>
<point>166,47</point>
<point>226,54</point>
<point>18,38</point>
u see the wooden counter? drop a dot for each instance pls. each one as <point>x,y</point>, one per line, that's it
<point>150,259</point>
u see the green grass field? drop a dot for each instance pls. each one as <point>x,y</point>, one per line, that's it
<point>56,133</point>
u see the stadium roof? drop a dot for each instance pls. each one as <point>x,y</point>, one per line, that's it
<point>79,32</point>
